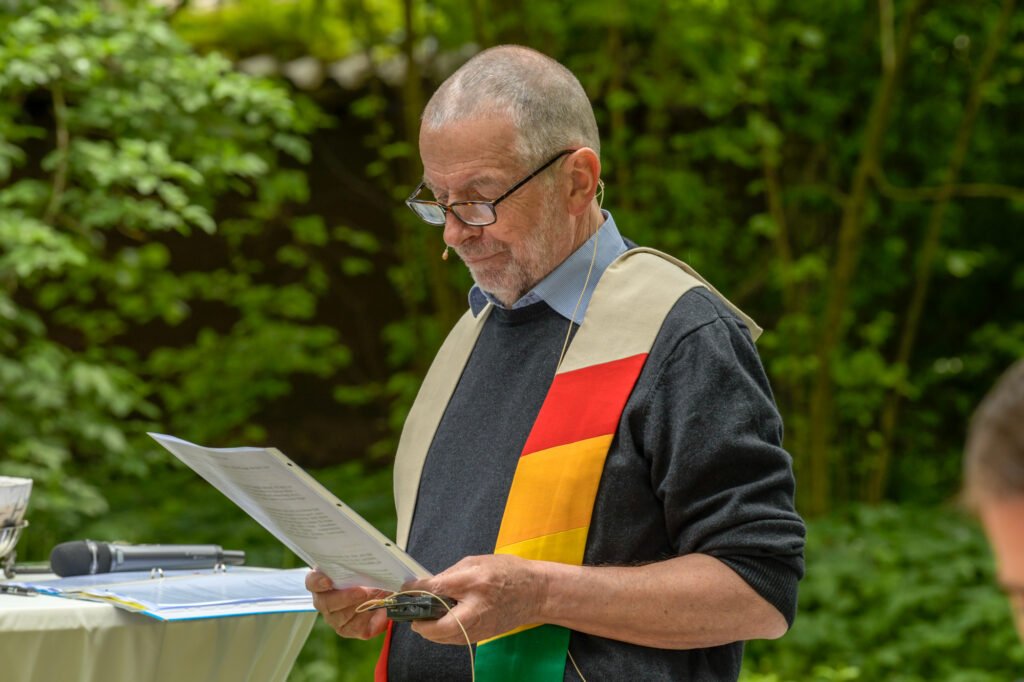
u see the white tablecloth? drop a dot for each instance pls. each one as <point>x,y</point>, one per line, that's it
<point>50,639</point>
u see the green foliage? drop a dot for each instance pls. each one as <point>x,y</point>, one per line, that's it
<point>736,152</point>
<point>733,133</point>
<point>329,658</point>
<point>894,594</point>
<point>162,266</point>
<point>295,29</point>
<point>116,140</point>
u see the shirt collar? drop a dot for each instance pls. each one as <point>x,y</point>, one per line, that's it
<point>561,288</point>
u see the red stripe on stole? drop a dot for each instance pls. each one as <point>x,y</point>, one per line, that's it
<point>584,403</point>
<point>380,671</point>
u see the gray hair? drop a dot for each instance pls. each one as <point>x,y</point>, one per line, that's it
<point>542,99</point>
<point>994,461</point>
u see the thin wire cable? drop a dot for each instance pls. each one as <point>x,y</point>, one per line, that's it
<point>367,605</point>
<point>573,661</point>
<point>590,270</point>
<point>586,281</point>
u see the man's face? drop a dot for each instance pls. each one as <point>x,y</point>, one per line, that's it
<point>1004,524</point>
<point>477,160</point>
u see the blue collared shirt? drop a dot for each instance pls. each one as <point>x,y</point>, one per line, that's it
<point>561,288</point>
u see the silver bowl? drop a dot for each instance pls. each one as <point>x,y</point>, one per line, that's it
<point>8,541</point>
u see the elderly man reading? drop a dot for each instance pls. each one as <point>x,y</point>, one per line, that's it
<point>593,467</point>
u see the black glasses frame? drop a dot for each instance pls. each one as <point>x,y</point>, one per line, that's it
<point>412,201</point>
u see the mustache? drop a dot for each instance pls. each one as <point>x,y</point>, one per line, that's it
<point>475,252</point>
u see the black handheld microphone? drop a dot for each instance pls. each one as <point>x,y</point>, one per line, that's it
<point>88,557</point>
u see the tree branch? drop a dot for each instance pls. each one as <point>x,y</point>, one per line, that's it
<point>941,192</point>
<point>783,249</point>
<point>851,228</point>
<point>60,174</point>
<point>887,34</point>
<point>876,484</point>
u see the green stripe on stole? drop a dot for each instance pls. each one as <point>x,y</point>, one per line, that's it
<point>533,655</point>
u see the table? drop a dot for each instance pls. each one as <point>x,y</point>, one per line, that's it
<point>52,639</point>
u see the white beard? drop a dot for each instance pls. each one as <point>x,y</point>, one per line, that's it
<point>533,259</point>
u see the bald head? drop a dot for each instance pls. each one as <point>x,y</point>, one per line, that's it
<point>994,463</point>
<point>541,98</point>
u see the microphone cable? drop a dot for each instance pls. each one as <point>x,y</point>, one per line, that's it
<point>383,601</point>
<point>377,603</point>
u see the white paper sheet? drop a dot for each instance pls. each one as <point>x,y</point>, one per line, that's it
<point>322,530</point>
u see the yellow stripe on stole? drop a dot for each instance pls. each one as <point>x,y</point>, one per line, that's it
<point>568,474</point>
<point>513,631</point>
<point>564,547</point>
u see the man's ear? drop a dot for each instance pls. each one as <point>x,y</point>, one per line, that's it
<point>584,168</point>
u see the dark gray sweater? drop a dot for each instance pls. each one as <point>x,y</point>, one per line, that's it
<point>696,466</point>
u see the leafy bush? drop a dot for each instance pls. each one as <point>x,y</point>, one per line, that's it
<point>769,144</point>
<point>116,141</point>
<point>902,595</point>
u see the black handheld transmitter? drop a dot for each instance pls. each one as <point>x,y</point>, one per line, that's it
<point>407,607</point>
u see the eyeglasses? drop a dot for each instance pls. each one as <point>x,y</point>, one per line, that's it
<point>474,213</point>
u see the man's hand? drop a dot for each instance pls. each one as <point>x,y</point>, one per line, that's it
<point>495,593</point>
<point>338,607</point>
<point>688,602</point>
